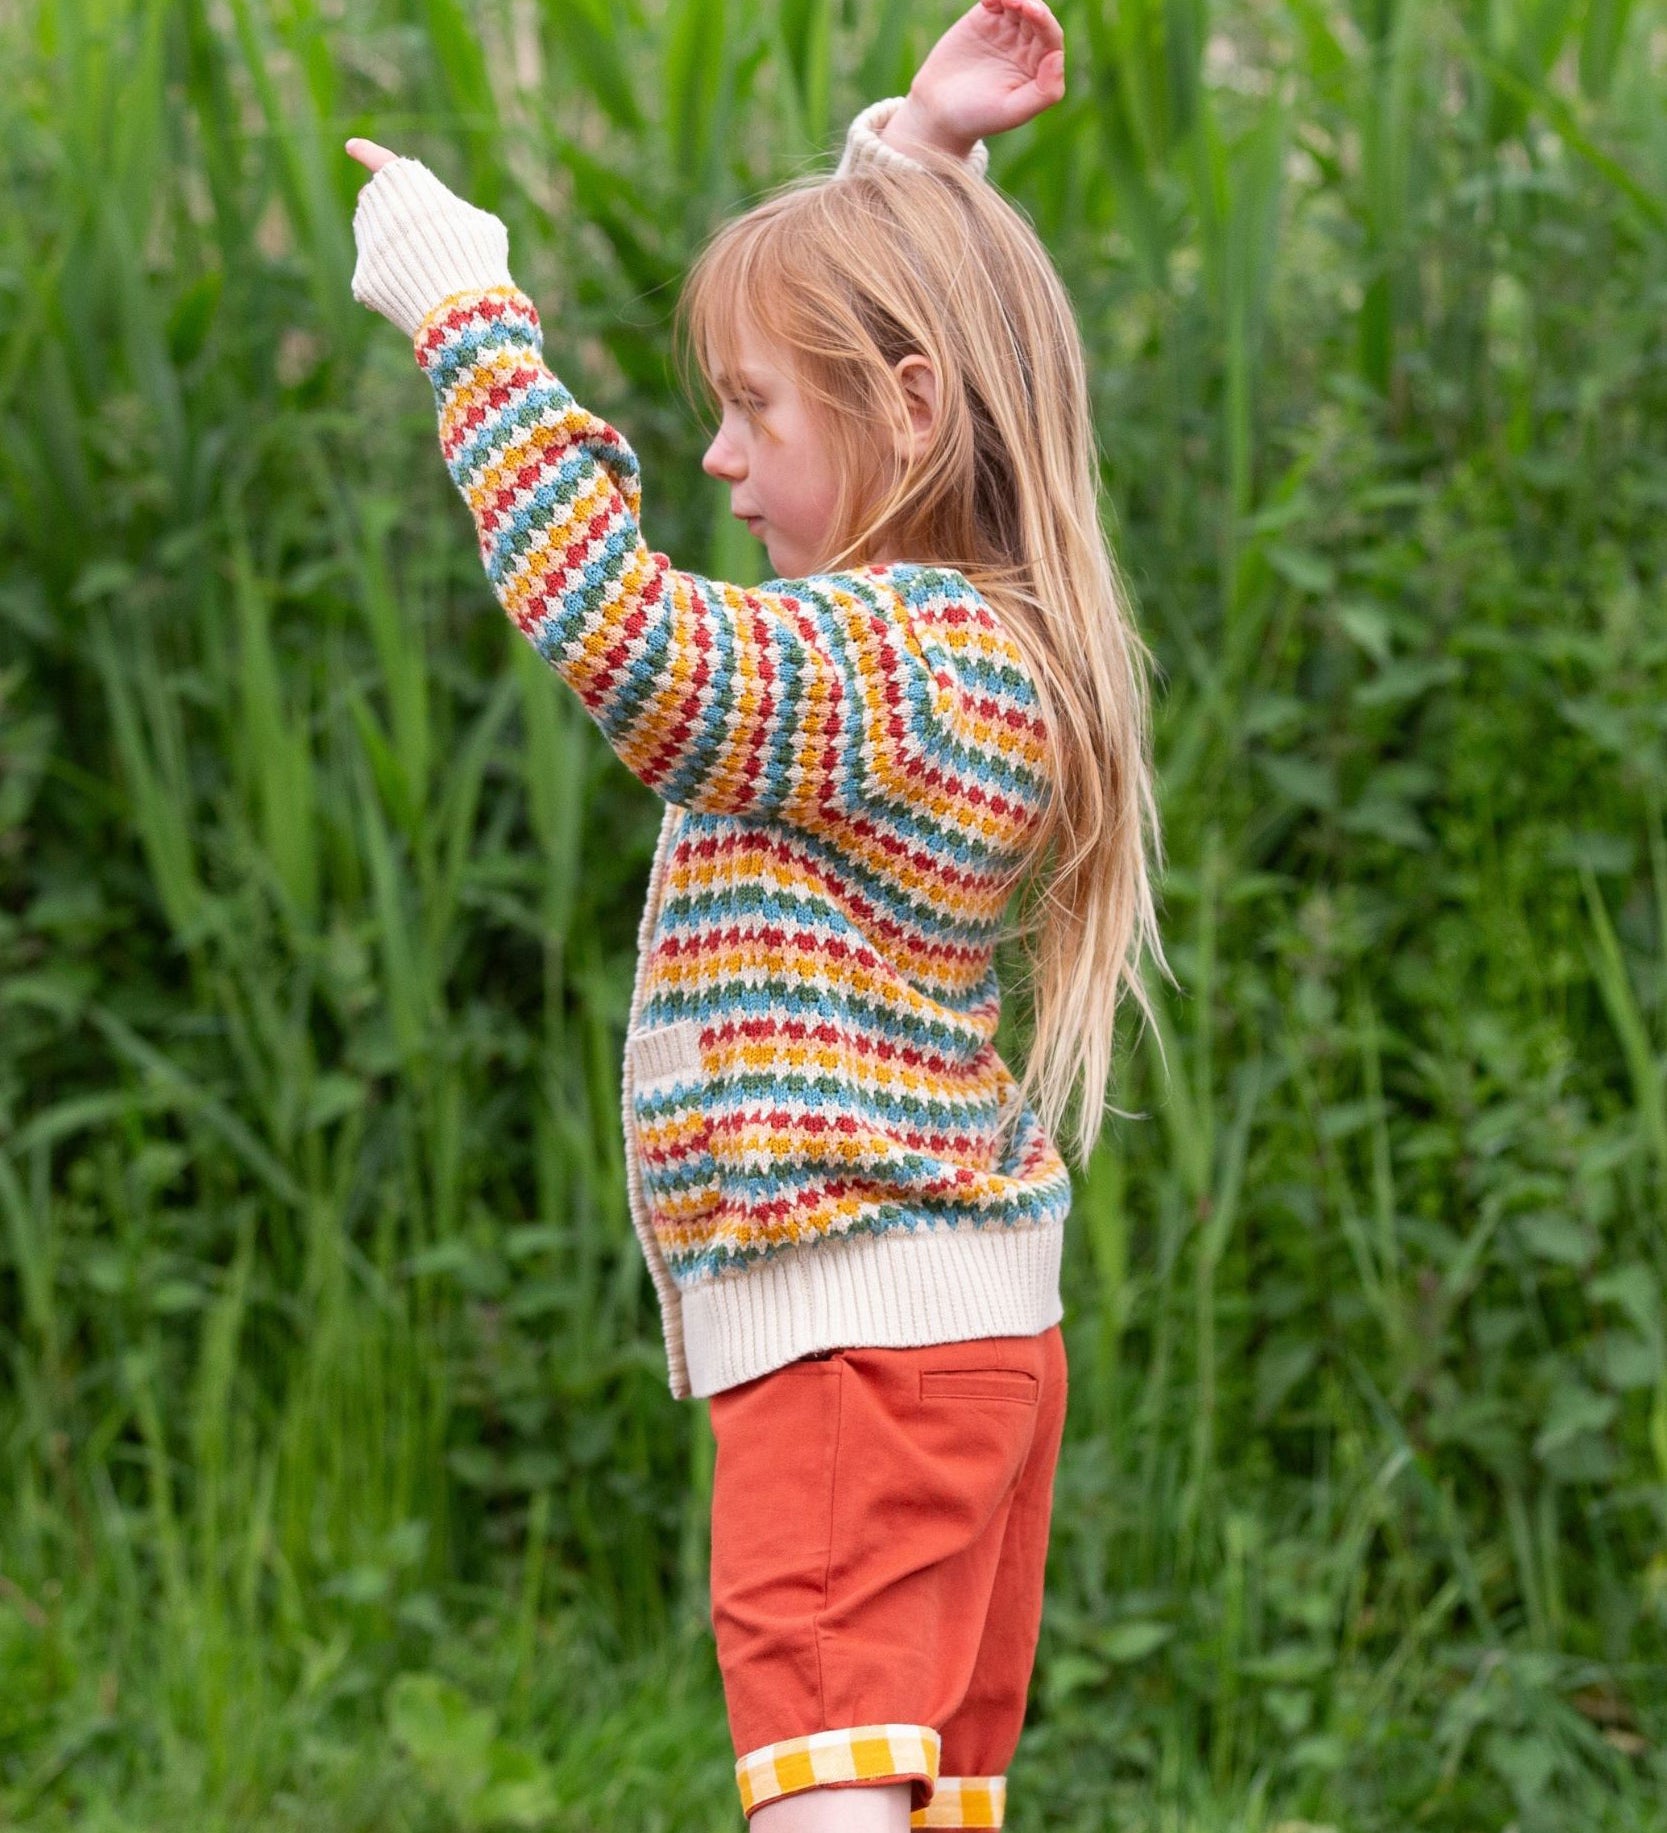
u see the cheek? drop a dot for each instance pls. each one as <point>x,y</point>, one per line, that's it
<point>819,482</point>
<point>804,463</point>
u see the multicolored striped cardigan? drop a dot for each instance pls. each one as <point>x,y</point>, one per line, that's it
<point>823,1144</point>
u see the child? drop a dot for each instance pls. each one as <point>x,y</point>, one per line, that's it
<point>851,1211</point>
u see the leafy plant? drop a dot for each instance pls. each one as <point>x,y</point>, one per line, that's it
<point>330,1365</point>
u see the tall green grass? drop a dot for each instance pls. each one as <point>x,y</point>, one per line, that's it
<point>340,1484</point>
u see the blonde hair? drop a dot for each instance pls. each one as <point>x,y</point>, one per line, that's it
<point>848,276</point>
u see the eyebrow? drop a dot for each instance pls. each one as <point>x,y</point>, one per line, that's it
<point>741,380</point>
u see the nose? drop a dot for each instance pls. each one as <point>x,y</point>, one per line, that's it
<point>722,459</point>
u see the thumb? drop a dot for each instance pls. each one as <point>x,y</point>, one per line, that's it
<point>369,154</point>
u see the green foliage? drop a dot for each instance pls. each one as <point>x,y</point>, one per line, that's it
<point>484,1780</point>
<point>340,1483</point>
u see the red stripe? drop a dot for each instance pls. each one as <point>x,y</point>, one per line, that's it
<point>845,896</point>
<point>872,1044</point>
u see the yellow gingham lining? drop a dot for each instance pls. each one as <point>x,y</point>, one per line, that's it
<point>861,1753</point>
<point>964,1801</point>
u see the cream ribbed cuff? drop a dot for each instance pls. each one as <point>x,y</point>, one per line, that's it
<point>419,243</point>
<point>863,145</point>
<point>901,1288</point>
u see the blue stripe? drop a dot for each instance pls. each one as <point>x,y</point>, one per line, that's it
<point>727,1256</point>
<point>732,1094</point>
<point>891,897</point>
<point>464,346</point>
<point>782,999</point>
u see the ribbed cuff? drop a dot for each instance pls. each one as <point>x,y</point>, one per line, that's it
<point>863,145</point>
<point>905,1287</point>
<point>420,243</point>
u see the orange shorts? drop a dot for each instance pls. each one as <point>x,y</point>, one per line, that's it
<point>879,1533</point>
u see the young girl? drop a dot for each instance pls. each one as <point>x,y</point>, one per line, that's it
<point>851,1211</point>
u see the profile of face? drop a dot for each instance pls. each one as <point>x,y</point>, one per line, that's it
<point>772,449</point>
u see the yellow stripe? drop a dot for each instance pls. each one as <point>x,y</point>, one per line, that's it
<point>818,1218</point>
<point>728,965</point>
<point>860,1753</point>
<point>952,971</point>
<point>964,1801</point>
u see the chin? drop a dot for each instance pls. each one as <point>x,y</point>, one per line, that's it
<point>794,562</point>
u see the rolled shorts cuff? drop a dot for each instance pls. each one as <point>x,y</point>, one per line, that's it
<point>964,1801</point>
<point>873,1754</point>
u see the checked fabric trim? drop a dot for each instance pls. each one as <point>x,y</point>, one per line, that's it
<point>861,1753</point>
<point>964,1801</point>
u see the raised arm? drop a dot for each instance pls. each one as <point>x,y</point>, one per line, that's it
<point>999,65</point>
<point>800,703</point>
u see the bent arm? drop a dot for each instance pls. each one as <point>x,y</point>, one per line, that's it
<point>997,66</point>
<point>800,703</point>
<point>796,703</point>
<point>804,702</point>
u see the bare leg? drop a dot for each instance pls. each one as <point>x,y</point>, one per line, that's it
<point>837,1810</point>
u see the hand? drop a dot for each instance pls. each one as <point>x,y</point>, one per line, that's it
<point>997,66</point>
<point>419,243</point>
<point>369,154</point>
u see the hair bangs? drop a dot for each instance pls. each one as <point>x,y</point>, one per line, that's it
<point>747,279</point>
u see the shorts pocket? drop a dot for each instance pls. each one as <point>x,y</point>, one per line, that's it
<point>979,1384</point>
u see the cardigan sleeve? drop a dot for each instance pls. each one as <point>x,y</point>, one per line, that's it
<point>864,145</point>
<point>798,702</point>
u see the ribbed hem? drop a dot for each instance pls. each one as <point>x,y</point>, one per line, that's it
<point>864,146</point>
<point>893,1290</point>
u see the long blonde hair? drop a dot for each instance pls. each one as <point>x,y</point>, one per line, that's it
<point>847,277</point>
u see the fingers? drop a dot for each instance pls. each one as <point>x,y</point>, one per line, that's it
<point>1048,29</point>
<point>369,154</point>
<point>1033,18</point>
<point>1050,77</point>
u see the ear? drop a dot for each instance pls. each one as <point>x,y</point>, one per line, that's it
<point>919,382</point>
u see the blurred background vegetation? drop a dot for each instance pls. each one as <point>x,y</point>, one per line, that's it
<point>340,1485</point>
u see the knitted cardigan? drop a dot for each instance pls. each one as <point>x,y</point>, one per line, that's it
<point>823,1144</point>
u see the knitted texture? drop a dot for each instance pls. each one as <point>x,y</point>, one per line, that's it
<point>861,763</point>
<point>864,145</point>
<point>419,243</point>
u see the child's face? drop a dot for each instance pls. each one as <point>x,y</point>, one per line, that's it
<point>771,451</point>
